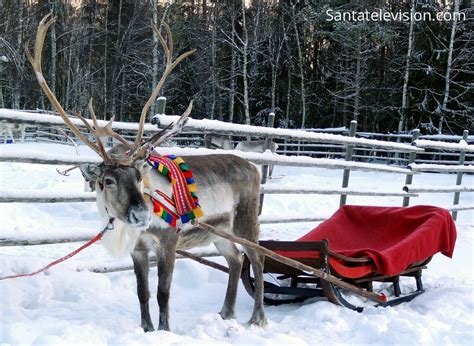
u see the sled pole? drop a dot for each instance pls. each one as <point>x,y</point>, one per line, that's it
<point>203,261</point>
<point>291,262</point>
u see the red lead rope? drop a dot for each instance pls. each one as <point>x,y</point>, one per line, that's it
<point>62,259</point>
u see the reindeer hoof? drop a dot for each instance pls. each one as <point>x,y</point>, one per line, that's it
<point>147,327</point>
<point>258,320</point>
<point>227,314</point>
<point>164,327</point>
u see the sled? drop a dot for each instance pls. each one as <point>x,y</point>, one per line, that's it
<point>363,246</point>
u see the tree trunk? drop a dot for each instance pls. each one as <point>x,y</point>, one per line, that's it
<point>16,81</point>
<point>357,81</point>
<point>122,98</point>
<point>2,105</point>
<point>244,68</point>
<point>213,65</point>
<point>401,123</point>
<point>346,95</point>
<point>288,101</point>
<point>232,74</point>
<point>53,52</point>
<point>105,59</point>
<point>301,70</point>
<point>273,91</point>
<point>68,74</point>
<point>448,69</point>
<point>275,66</point>
<point>155,53</point>
<point>119,48</point>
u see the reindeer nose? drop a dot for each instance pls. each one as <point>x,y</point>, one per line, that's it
<point>138,216</point>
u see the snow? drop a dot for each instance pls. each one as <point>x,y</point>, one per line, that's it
<point>32,194</point>
<point>328,191</point>
<point>67,306</point>
<point>428,167</point>
<point>13,115</point>
<point>462,145</point>
<point>436,189</point>
<point>206,125</point>
<point>238,129</point>
<point>470,138</point>
<point>25,153</point>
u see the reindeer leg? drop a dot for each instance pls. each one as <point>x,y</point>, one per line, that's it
<point>246,226</point>
<point>258,315</point>
<point>234,260</point>
<point>141,267</point>
<point>165,257</point>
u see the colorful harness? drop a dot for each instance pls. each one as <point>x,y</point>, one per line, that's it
<point>184,203</point>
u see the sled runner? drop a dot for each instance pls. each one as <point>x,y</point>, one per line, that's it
<point>361,246</point>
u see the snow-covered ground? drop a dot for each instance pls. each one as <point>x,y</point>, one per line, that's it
<point>67,306</point>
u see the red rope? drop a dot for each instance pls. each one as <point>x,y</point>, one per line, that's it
<point>62,259</point>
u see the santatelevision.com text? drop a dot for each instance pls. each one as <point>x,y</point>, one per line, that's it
<point>387,16</point>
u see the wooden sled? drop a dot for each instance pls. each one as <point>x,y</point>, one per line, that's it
<point>285,284</point>
<point>342,258</point>
<point>360,246</point>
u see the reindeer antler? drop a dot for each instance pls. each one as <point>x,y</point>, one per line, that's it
<point>137,149</point>
<point>163,135</point>
<point>96,130</point>
<point>170,65</point>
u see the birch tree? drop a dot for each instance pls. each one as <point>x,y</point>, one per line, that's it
<point>447,78</point>
<point>300,67</point>
<point>406,77</point>
<point>245,45</point>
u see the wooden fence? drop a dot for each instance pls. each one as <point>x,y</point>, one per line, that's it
<point>348,144</point>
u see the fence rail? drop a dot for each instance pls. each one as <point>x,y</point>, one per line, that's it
<point>211,127</point>
<point>257,158</point>
<point>348,148</point>
<point>328,144</point>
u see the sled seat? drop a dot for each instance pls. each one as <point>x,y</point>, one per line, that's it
<point>360,245</point>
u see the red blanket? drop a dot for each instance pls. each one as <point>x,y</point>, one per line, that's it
<point>393,237</point>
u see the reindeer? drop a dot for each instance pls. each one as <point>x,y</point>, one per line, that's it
<point>228,193</point>
<point>217,142</point>
<point>258,146</point>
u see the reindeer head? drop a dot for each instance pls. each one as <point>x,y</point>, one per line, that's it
<point>118,179</point>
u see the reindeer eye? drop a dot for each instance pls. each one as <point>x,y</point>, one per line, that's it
<point>109,181</point>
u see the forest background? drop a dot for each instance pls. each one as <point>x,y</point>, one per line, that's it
<point>253,57</point>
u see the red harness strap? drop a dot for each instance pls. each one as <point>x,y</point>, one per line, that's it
<point>183,205</point>
<point>62,259</point>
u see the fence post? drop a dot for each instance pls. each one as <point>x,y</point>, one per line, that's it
<point>270,124</point>
<point>160,109</point>
<point>411,159</point>
<point>160,105</point>
<point>347,171</point>
<point>462,157</point>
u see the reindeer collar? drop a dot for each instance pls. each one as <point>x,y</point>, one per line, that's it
<point>183,205</point>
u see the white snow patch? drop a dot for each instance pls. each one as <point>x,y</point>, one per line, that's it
<point>66,306</point>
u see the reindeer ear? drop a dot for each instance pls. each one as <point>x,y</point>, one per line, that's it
<point>91,172</point>
<point>142,166</point>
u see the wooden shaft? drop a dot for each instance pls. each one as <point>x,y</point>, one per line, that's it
<point>291,262</point>
<point>203,261</point>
